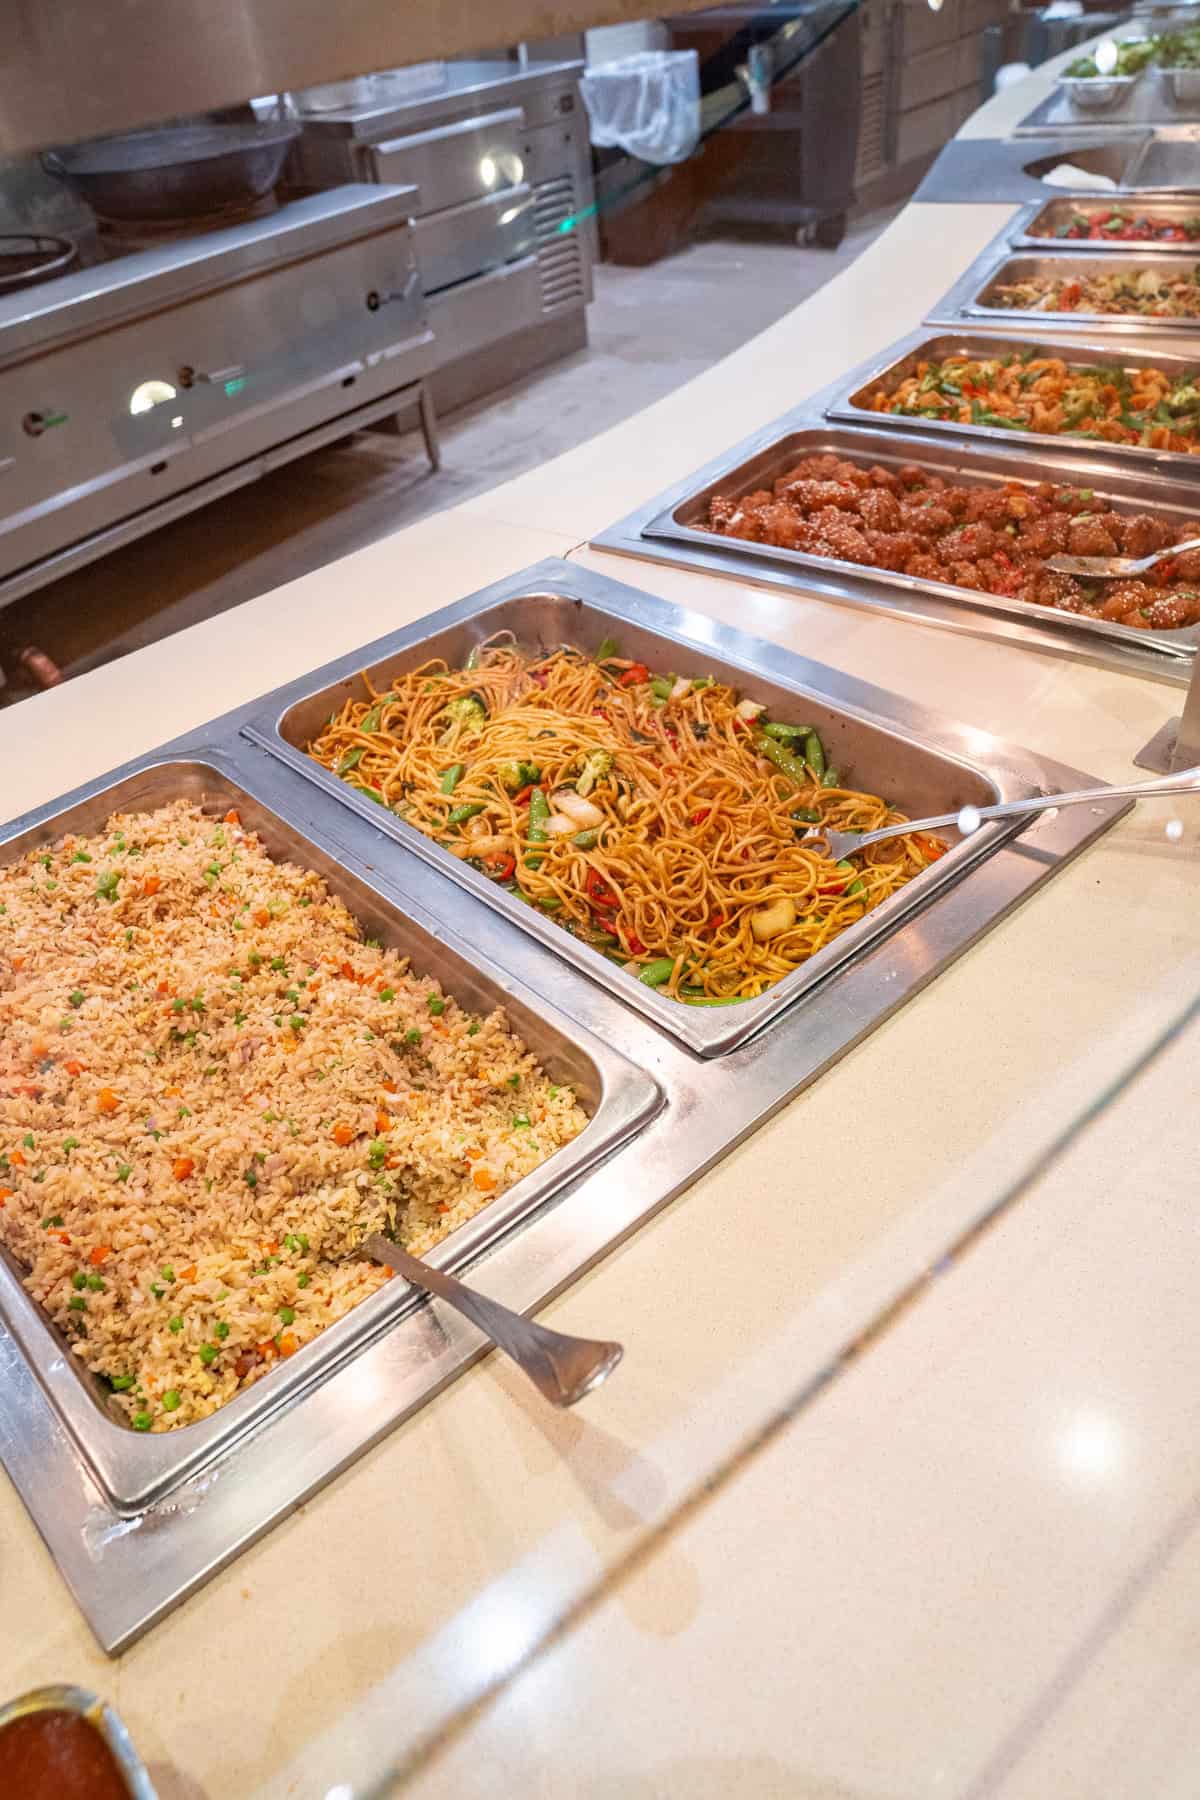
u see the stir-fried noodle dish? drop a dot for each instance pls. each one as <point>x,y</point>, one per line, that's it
<point>656,816</point>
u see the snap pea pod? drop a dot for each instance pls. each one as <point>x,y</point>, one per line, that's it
<point>655,973</point>
<point>467,810</point>
<point>785,761</point>
<point>857,886</point>
<point>832,778</point>
<point>807,814</point>
<point>713,1000</point>
<point>814,754</point>
<point>661,685</point>
<point>608,648</point>
<point>776,730</point>
<point>473,660</point>
<point>586,840</point>
<point>549,902</point>
<point>539,818</point>
<point>451,777</point>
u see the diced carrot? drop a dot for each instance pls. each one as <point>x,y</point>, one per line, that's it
<point>64,1237</point>
<point>389,1087</point>
<point>18,962</point>
<point>233,816</point>
<point>271,1246</point>
<point>262,916</point>
<point>73,1067</point>
<point>342,1135</point>
<point>188,1274</point>
<point>442,1207</point>
<point>484,1180</point>
<point>347,972</point>
<point>5,1194</point>
<point>18,1157</point>
<point>99,1254</point>
<point>183,1167</point>
<point>267,1348</point>
<point>382,1123</point>
<point>289,1343</point>
<point>38,1049</point>
<point>151,885</point>
<point>173,1093</point>
<point>288,1044</point>
<point>107,1101</point>
<point>473,1154</point>
<point>391,1162</point>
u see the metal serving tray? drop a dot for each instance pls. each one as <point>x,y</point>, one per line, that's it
<point>1148,102</point>
<point>847,398</point>
<point>971,295</point>
<point>127,1571</point>
<point>1035,225</point>
<point>746,469</point>
<point>919,777</point>
<point>135,1469</point>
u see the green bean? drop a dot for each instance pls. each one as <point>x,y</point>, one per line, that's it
<point>539,817</point>
<point>788,764</point>
<point>773,729</point>
<point>467,810</point>
<point>832,778</point>
<point>814,754</point>
<point>586,840</point>
<point>608,648</point>
<point>451,777</point>
<point>655,973</point>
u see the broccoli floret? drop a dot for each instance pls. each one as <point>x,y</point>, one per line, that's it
<point>1184,398</point>
<point>517,775</point>
<point>467,713</point>
<point>598,765</point>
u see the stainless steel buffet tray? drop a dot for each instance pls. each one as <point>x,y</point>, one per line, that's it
<point>1035,225</point>
<point>127,1570</point>
<point>742,471</point>
<point>664,528</point>
<point>920,778</point>
<point>136,1469</point>
<point>972,295</point>
<point>1150,101</point>
<point>848,397</point>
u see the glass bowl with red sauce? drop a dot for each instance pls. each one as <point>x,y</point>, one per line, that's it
<point>63,1743</point>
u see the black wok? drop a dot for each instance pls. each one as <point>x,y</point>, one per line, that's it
<point>177,172</point>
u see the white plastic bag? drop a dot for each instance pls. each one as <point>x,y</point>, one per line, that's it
<point>648,104</point>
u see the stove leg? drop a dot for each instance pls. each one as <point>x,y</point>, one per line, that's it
<point>39,667</point>
<point>429,430</point>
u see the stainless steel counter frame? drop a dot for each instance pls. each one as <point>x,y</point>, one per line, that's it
<point>127,1572</point>
<point>657,532</point>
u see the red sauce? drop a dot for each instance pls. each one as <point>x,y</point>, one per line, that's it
<point>57,1756</point>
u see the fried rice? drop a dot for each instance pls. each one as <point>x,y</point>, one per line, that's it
<point>211,1089</point>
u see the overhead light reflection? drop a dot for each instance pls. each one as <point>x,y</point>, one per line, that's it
<point>149,394</point>
<point>1091,1447</point>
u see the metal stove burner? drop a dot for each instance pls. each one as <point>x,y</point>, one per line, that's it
<point>26,258</point>
<point>121,237</point>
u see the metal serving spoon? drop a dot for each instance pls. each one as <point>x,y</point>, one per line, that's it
<point>563,1368</point>
<point>1110,568</point>
<point>843,844</point>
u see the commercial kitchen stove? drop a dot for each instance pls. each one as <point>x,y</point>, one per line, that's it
<point>179,366</point>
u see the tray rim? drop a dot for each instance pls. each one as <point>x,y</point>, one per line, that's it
<point>709,1032</point>
<point>137,1470</point>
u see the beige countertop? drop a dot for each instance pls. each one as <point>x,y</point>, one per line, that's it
<point>971,1565</point>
